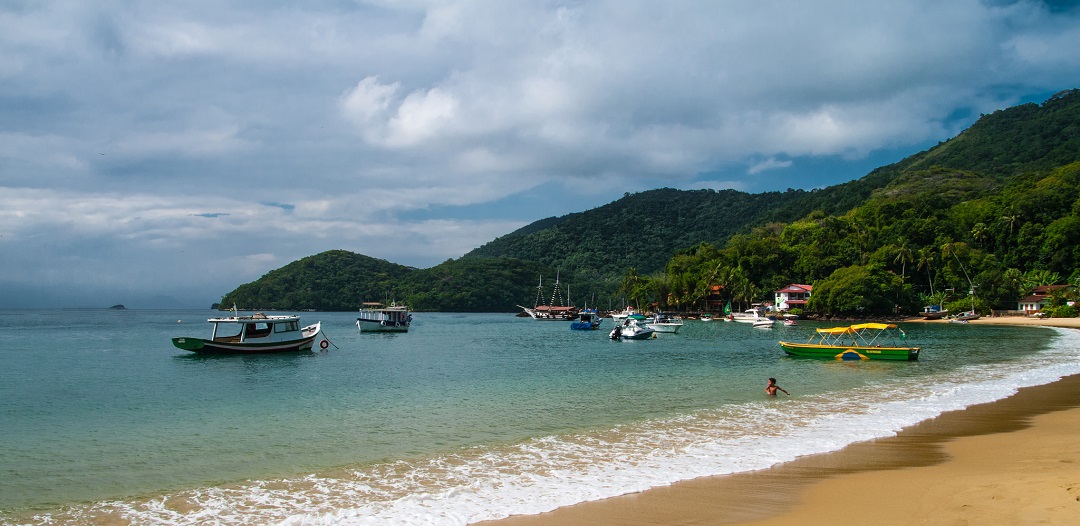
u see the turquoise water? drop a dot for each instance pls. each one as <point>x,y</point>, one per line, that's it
<point>466,417</point>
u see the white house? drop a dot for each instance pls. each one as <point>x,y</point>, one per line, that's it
<point>793,296</point>
<point>1038,298</point>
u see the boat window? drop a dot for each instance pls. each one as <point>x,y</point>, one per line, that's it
<point>256,330</point>
<point>288,326</point>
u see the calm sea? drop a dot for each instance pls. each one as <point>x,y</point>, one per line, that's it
<point>467,417</point>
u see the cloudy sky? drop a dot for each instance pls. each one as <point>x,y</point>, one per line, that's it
<point>159,154</point>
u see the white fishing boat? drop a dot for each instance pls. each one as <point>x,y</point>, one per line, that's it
<point>378,317</point>
<point>665,323</point>
<point>257,333</point>
<point>632,328</point>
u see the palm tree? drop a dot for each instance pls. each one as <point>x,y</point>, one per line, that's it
<point>979,232</point>
<point>926,259</point>
<point>950,248</point>
<point>1010,220</point>
<point>903,257</point>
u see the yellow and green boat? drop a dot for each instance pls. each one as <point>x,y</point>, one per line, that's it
<point>863,341</point>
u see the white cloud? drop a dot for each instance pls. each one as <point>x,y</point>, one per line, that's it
<point>768,164</point>
<point>388,116</point>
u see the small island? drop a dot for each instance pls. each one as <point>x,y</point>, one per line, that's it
<point>118,307</point>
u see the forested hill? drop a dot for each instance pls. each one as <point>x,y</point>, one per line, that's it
<point>644,230</point>
<point>1001,197</point>
<point>641,230</point>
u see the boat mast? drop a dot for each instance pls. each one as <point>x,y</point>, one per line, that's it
<point>539,292</point>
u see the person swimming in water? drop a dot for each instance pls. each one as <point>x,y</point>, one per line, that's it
<point>772,388</point>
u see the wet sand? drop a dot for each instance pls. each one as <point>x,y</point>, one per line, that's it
<point>1014,461</point>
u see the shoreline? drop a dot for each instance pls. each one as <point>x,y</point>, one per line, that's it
<point>960,466</point>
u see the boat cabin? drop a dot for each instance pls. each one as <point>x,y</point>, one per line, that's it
<point>258,326</point>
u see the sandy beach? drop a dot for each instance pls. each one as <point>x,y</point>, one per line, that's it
<point>1015,461</point>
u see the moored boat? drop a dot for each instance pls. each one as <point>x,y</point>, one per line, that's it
<point>619,317</point>
<point>665,323</point>
<point>706,317</point>
<point>934,312</point>
<point>632,328</point>
<point>552,311</point>
<point>378,317</point>
<point>747,316</point>
<point>588,320</point>
<point>257,333</point>
<point>863,341</point>
<point>967,316</point>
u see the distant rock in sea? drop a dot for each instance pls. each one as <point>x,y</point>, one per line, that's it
<point>118,307</point>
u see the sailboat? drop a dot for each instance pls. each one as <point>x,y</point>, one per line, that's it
<point>550,311</point>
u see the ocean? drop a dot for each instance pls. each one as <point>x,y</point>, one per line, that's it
<point>466,417</point>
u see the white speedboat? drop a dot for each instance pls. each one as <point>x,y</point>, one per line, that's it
<point>257,333</point>
<point>632,328</point>
<point>665,323</point>
<point>619,317</point>
<point>748,316</point>
<point>763,323</point>
<point>377,317</point>
<point>706,317</point>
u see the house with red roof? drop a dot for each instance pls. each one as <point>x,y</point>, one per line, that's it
<point>793,296</point>
<point>1038,299</point>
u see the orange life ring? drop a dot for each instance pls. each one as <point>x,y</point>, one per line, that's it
<point>324,344</point>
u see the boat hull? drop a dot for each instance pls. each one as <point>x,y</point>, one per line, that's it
<point>204,346</point>
<point>839,352</point>
<point>639,335</point>
<point>382,325</point>
<point>665,327</point>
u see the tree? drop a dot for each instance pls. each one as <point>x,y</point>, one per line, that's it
<point>857,290</point>
<point>926,260</point>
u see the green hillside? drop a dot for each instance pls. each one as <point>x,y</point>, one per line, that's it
<point>641,230</point>
<point>995,207</point>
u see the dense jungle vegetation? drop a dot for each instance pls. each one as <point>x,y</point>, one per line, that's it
<point>995,210</point>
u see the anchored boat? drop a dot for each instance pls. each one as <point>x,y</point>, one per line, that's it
<point>632,328</point>
<point>376,317</point>
<point>257,333</point>
<point>665,323</point>
<point>863,341</point>
<point>588,320</point>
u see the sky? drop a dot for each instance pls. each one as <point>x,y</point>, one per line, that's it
<point>160,154</point>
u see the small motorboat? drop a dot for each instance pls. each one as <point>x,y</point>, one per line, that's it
<point>588,320</point>
<point>665,323</point>
<point>789,320</point>
<point>763,323</point>
<point>632,328</point>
